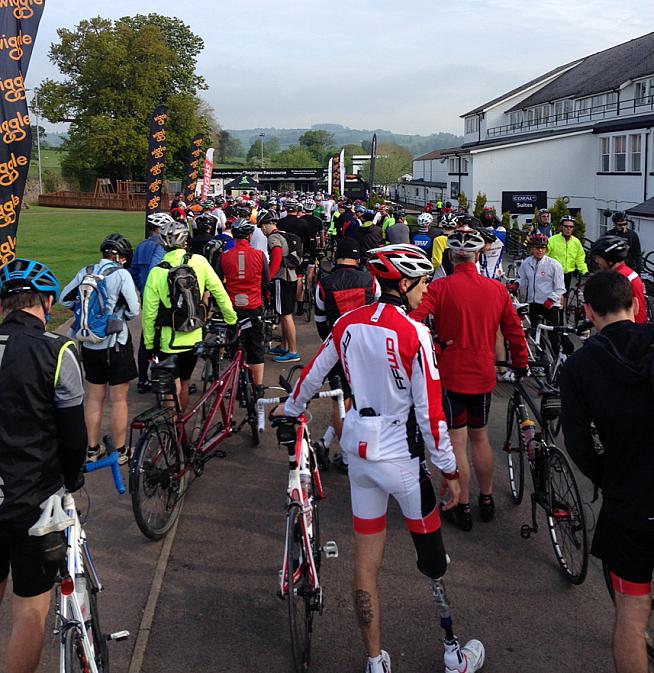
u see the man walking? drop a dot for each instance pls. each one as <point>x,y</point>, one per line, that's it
<point>634,259</point>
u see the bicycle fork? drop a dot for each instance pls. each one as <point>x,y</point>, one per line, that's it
<point>539,496</point>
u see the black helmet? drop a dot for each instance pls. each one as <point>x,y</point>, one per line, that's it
<point>242,228</point>
<point>619,216</point>
<point>117,244</point>
<point>205,223</point>
<point>264,217</point>
<point>487,234</point>
<point>611,248</point>
<point>243,211</point>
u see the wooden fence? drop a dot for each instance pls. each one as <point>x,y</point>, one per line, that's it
<point>89,200</point>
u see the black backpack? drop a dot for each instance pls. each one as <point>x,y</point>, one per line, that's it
<point>187,312</point>
<point>295,250</point>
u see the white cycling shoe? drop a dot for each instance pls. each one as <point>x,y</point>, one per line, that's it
<point>380,664</point>
<point>472,659</point>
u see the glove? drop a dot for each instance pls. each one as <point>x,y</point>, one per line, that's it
<point>75,483</point>
<point>521,372</point>
<point>513,286</point>
<point>548,303</point>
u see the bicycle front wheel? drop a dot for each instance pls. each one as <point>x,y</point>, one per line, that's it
<point>247,400</point>
<point>515,453</point>
<point>156,487</point>
<point>565,518</point>
<point>299,594</point>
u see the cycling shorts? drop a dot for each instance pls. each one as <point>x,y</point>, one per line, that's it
<point>463,410</point>
<point>21,552</point>
<point>252,338</point>
<point>629,555</point>
<point>109,365</point>
<point>186,361</point>
<point>284,292</point>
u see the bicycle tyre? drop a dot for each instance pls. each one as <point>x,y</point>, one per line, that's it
<point>157,458</point>
<point>74,657</point>
<point>100,644</point>
<point>307,300</point>
<point>565,518</point>
<point>515,454</point>
<point>300,616</point>
<point>246,394</point>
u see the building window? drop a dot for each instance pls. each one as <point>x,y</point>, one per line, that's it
<point>612,100</point>
<point>619,154</point>
<point>583,107</point>
<point>472,124</point>
<point>605,155</point>
<point>634,153</point>
<point>417,191</point>
<point>605,223</point>
<point>597,103</point>
<point>640,93</point>
<point>568,108</point>
<point>454,190</point>
<point>530,117</point>
<point>515,119</point>
<point>464,165</point>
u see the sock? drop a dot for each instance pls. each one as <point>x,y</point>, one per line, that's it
<point>374,661</point>
<point>93,448</point>
<point>329,436</point>
<point>465,507</point>
<point>121,449</point>
<point>486,499</point>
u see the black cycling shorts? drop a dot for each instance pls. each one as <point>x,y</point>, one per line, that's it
<point>109,365</point>
<point>463,410</point>
<point>252,338</point>
<point>285,292</point>
<point>629,554</point>
<point>30,574</point>
<point>186,361</point>
<point>336,378</point>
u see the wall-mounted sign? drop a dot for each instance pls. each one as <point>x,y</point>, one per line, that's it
<point>520,203</point>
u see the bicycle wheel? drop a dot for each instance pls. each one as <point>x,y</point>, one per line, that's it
<point>515,453</point>
<point>99,639</point>
<point>75,660</point>
<point>156,489</point>
<point>565,518</point>
<point>307,300</point>
<point>299,594</point>
<point>247,400</point>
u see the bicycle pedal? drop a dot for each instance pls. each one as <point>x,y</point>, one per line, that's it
<point>118,636</point>
<point>330,549</point>
<point>525,531</point>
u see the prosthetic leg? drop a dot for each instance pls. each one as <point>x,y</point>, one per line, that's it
<point>466,659</point>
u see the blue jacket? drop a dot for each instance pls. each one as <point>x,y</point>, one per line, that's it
<point>147,255</point>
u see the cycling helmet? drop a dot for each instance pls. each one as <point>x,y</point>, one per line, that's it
<point>465,241</point>
<point>487,234</point>
<point>449,221</point>
<point>467,220</point>
<point>359,209</point>
<point>611,248</point>
<point>242,228</point>
<point>425,220</point>
<point>174,235</point>
<point>291,206</point>
<point>542,211</point>
<point>264,217</point>
<point>206,204</point>
<point>26,275</point>
<point>309,205</point>
<point>398,214</point>
<point>205,223</point>
<point>117,244</point>
<point>393,262</point>
<point>537,240</point>
<point>619,216</point>
<point>566,218</point>
<point>243,211</point>
<point>159,219</point>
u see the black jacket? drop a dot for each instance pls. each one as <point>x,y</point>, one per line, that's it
<point>610,381</point>
<point>634,259</point>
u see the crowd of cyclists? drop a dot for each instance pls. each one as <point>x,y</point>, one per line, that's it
<point>426,307</point>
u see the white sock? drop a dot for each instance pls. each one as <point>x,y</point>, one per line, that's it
<point>373,662</point>
<point>329,436</point>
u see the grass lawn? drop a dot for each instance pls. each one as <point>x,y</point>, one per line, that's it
<point>50,160</point>
<point>66,239</point>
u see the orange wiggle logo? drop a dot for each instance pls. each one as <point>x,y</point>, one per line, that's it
<point>9,169</point>
<point>14,129</point>
<point>22,9</point>
<point>8,211</point>
<point>13,88</point>
<point>8,250</point>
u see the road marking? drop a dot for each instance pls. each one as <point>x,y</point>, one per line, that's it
<point>145,627</point>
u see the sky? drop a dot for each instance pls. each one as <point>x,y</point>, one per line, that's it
<point>409,66</point>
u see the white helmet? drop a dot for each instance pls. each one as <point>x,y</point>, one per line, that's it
<point>159,219</point>
<point>465,241</point>
<point>174,235</point>
<point>309,205</point>
<point>402,260</point>
<point>425,220</point>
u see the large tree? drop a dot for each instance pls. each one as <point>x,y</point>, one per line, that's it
<point>392,162</point>
<point>319,143</point>
<point>295,156</point>
<point>115,73</point>
<point>270,150</point>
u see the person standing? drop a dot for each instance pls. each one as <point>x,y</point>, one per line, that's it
<point>424,237</point>
<point>468,309</point>
<point>397,232</point>
<point>567,250</point>
<point>615,365</point>
<point>543,224</point>
<point>42,446</point>
<point>109,362</point>
<point>634,259</point>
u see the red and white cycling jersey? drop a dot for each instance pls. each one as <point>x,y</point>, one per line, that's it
<point>390,364</point>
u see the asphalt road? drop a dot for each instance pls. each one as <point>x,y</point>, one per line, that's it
<point>217,609</point>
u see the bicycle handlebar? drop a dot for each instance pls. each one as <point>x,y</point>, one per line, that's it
<point>263,401</point>
<point>110,460</point>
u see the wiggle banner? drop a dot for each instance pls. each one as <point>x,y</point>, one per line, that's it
<point>336,175</point>
<point>208,170</point>
<point>19,23</point>
<point>156,155</point>
<point>192,167</point>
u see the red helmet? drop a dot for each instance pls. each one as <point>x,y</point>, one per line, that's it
<point>393,262</point>
<point>539,240</point>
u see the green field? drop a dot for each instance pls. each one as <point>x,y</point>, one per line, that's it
<point>68,239</point>
<point>50,160</point>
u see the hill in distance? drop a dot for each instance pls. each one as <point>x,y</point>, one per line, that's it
<point>343,135</point>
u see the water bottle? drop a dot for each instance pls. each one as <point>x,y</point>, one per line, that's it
<point>455,661</point>
<point>528,429</point>
<point>83,600</point>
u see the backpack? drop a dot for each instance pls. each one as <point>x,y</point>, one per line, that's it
<point>92,322</point>
<point>187,312</point>
<point>213,249</point>
<point>295,253</point>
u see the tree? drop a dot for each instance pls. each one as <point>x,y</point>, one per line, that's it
<point>392,162</point>
<point>506,219</point>
<point>270,149</point>
<point>115,74</point>
<point>463,201</point>
<point>580,227</point>
<point>319,143</point>
<point>228,146</point>
<point>558,210</point>
<point>367,146</point>
<point>41,137</point>
<point>295,156</point>
<point>350,151</point>
<point>480,202</point>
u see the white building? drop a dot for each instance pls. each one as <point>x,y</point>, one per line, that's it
<point>583,131</point>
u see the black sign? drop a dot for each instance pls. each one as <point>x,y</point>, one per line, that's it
<point>192,164</point>
<point>269,173</point>
<point>19,23</point>
<point>156,154</point>
<point>522,203</point>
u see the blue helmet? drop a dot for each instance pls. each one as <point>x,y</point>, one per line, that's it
<point>26,275</point>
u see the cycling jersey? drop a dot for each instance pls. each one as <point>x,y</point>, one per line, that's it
<point>568,252</point>
<point>425,241</point>
<point>403,395</point>
<point>637,288</point>
<point>541,279</point>
<point>490,262</point>
<point>246,275</point>
<point>440,258</point>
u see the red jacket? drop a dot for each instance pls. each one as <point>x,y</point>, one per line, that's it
<point>243,269</point>
<point>637,288</point>
<point>468,310</point>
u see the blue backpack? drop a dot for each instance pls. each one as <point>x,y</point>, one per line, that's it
<point>93,322</point>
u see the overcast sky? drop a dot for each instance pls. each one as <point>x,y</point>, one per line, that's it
<point>410,66</point>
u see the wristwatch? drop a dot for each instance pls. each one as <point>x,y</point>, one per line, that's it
<point>451,475</point>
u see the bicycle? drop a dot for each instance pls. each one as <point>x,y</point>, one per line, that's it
<point>167,451</point>
<point>574,304</point>
<point>299,577</point>
<point>83,646</point>
<point>554,484</point>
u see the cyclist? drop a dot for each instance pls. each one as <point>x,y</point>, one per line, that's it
<point>111,360</point>
<point>610,253</point>
<point>398,231</point>
<point>204,228</point>
<point>345,288</point>
<point>567,250</point>
<point>439,258</point>
<point>468,310</point>
<point>42,445</point>
<point>490,260</point>
<point>634,259</point>
<point>615,365</point>
<point>159,336</point>
<point>543,224</point>
<point>370,235</point>
<point>424,238</point>
<point>246,275</point>
<point>488,218</point>
<point>380,432</point>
